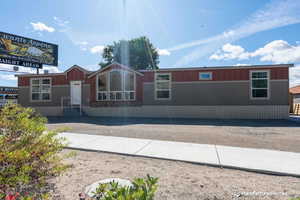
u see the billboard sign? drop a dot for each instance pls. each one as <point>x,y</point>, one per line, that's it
<point>22,51</point>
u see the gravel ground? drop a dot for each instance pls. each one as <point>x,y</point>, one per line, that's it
<point>177,180</point>
<point>279,135</point>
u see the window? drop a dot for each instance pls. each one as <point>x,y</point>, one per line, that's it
<point>163,86</point>
<point>41,89</point>
<point>116,85</point>
<point>205,76</point>
<point>259,84</point>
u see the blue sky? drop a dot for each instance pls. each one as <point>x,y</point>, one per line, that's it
<point>189,33</point>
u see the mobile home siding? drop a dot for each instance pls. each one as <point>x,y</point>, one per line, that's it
<point>226,95</point>
<point>218,74</point>
<point>217,93</point>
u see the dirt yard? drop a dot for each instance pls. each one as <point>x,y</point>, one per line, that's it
<point>177,180</point>
<point>279,135</point>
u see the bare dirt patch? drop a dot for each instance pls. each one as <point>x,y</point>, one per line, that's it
<point>177,180</point>
<point>278,135</point>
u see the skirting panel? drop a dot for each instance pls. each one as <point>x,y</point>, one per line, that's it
<point>49,111</point>
<point>201,112</point>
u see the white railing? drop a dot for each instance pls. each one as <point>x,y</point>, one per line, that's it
<point>66,103</point>
<point>116,96</point>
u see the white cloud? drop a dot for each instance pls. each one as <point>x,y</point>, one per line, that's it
<point>8,77</point>
<point>50,69</point>
<point>241,64</point>
<point>277,51</point>
<point>39,26</point>
<point>230,51</point>
<point>63,24</point>
<point>82,45</point>
<point>97,49</point>
<point>93,67</point>
<point>276,14</point>
<point>163,52</point>
<point>295,76</point>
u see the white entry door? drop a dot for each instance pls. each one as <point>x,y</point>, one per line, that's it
<point>75,92</point>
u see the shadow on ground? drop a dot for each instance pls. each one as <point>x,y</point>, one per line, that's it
<point>120,121</point>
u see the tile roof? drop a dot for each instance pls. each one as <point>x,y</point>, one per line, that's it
<point>295,90</point>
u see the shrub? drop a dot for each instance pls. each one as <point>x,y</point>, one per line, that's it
<point>142,189</point>
<point>28,153</point>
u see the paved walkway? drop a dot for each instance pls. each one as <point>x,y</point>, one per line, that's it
<point>258,160</point>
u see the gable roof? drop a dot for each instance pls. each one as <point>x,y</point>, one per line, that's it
<point>76,67</point>
<point>55,74</point>
<point>112,65</point>
<point>295,90</point>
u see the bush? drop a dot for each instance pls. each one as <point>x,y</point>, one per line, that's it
<point>28,153</point>
<point>142,189</point>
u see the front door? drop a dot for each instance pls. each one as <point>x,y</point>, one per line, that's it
<point>75,92</point>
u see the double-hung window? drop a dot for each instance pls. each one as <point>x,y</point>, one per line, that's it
<point>260,84</point>
<point>116,85</point>
<point>40,89</point>
<point>162,86</point>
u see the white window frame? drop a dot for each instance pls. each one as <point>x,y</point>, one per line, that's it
<point>210,74</point>
<point>108,92</point>
<point>163,81</point>
<point>268,86</point>
<point>40,85</point>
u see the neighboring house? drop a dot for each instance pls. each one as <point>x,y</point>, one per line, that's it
<point>8,94</point>
<point>295,92</point>
<point>232,92</point>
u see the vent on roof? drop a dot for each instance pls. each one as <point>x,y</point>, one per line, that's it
<point>46,71</point>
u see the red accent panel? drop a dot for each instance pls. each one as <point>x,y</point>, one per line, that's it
<point>59,80</point>
<point>92,82</point>
<point>148,76</point>
<point>139,88</point>
<point>76,75</point>
<point>219,74</point>
<point>23,81</point>
<point>280,73</point>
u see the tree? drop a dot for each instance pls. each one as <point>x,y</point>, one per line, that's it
<point>29,154</point>
<point>138,53</point>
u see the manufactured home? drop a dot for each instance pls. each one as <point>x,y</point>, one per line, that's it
<point>230,92</point>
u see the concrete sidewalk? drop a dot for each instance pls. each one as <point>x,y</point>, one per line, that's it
<point>258,160</point>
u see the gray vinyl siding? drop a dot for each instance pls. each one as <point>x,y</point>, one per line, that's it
<point>57,92</point>
<point>217,93</point>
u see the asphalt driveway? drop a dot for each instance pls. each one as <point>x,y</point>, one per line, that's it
<point>268,134</point>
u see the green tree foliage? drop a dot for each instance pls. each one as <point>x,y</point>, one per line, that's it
<point>138,53</point>
<point>142,189</point>
<point>28,153</point>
